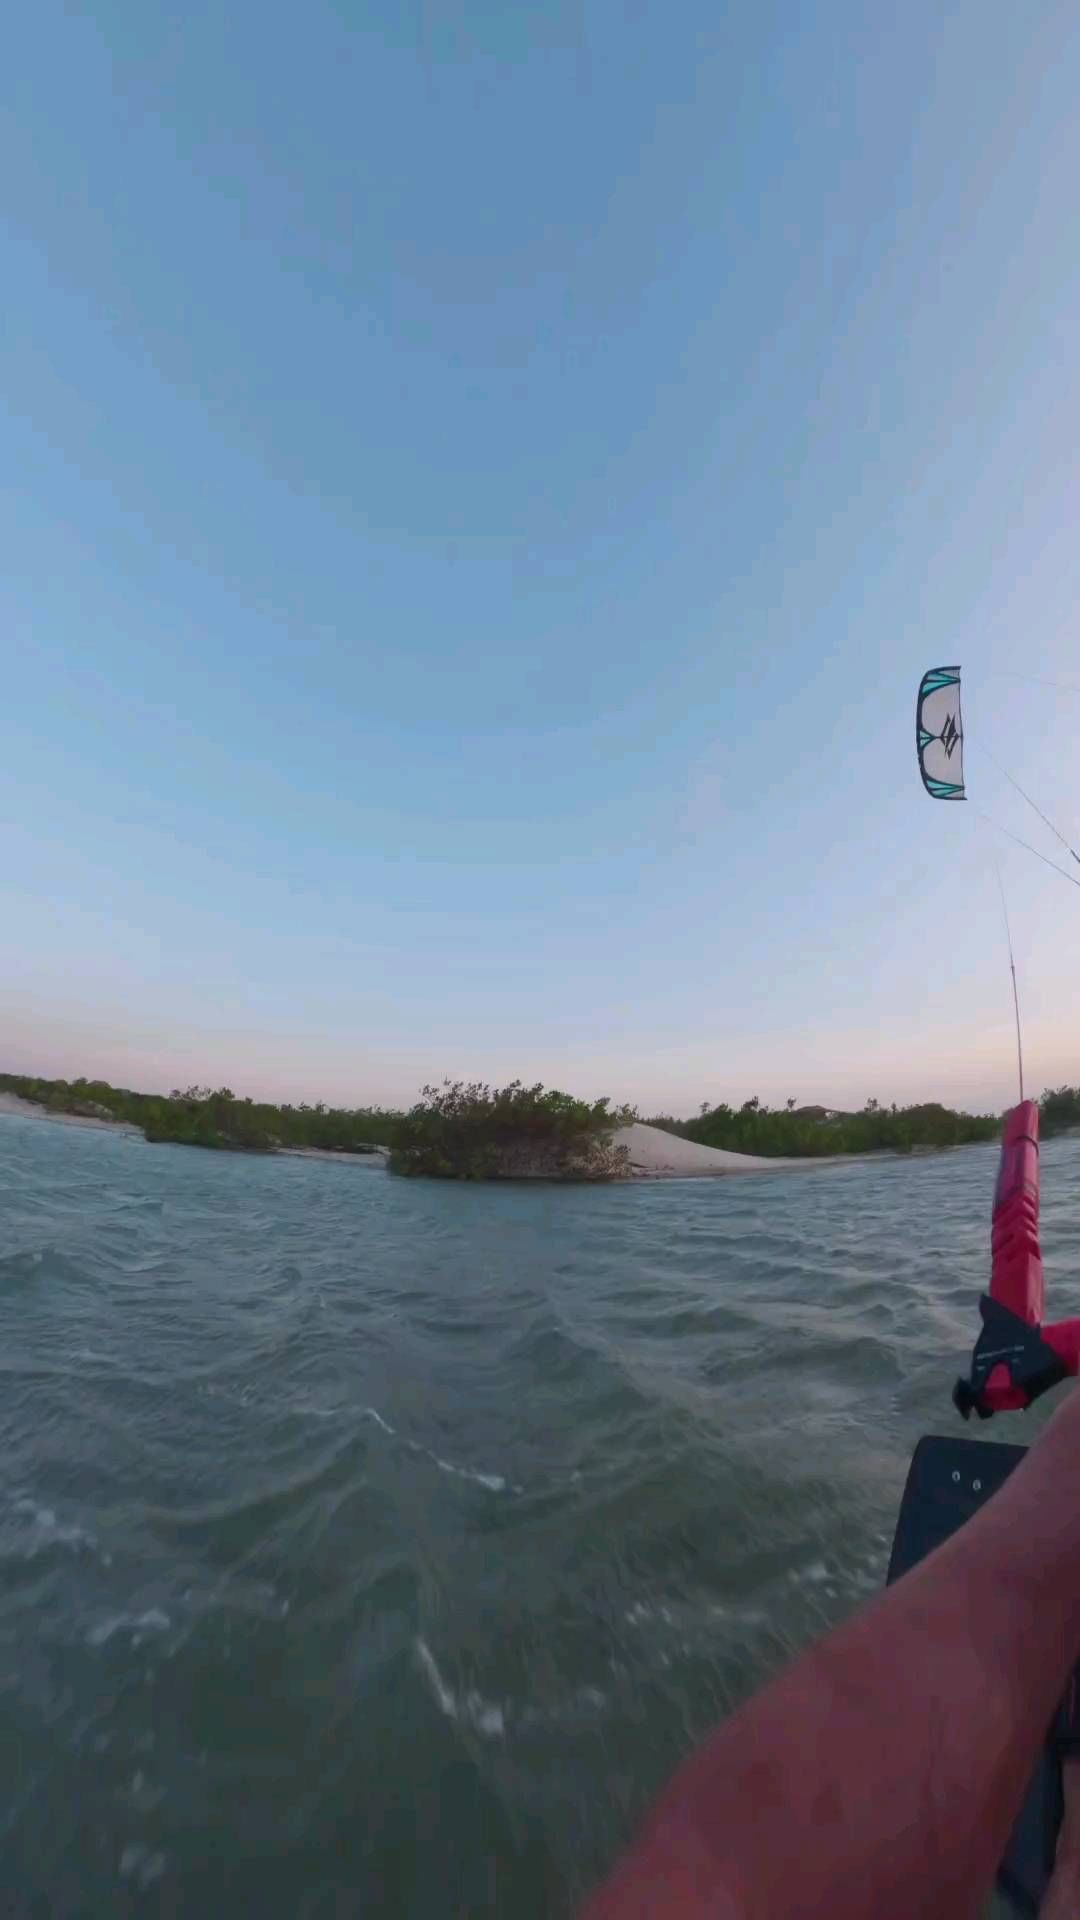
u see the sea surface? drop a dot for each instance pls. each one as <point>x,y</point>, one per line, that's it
<point>376,1547</point>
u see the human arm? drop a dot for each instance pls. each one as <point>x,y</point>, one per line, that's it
<point>880,1774</point>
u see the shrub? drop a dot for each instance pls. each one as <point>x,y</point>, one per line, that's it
<point>468,1131</point>
<point>203,1117</point>
<point>1059,1108</point>
<point>815,1132</point>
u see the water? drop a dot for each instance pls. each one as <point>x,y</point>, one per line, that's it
<point>377,1546</point>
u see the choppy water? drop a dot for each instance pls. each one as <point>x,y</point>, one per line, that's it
<point>375,1546</point>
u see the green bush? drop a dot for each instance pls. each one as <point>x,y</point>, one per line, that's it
<point>814,1133</point>
<point>203,1117</point>
<point>469,1131</point>
<point>1059,1108</point>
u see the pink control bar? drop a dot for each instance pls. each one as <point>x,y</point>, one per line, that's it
<point>1016,1275</point>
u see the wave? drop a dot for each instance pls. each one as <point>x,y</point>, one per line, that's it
<point>35,1263</point>
<point>142,1864</point>
<point>372,1413</point>
<point>485,1716</point>
<point>545,1480</point>
<point>35,1530</point>
<point>138,1625</point>
<point>494,1719</point>
<point>494,1482</point>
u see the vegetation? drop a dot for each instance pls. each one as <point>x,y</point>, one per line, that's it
<point>1059,1108</point>
<point>474,1132</point>
<point>812,1131</point>
<point>471,1132</point>
<point>202,1117</point>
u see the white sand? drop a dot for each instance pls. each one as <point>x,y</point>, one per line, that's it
<point>10,1103</point>
<point>658,1155</point>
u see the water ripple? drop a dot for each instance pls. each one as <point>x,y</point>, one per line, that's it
<point>337,1511</point>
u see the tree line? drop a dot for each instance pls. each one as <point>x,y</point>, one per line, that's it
<point>1059,1109</point>
<point>813,1132</point>
<point>470,1130</point>
<point>212,1117</point>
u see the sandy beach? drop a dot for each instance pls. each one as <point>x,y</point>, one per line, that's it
<point>656,1155</point>
<point>11,1104</point>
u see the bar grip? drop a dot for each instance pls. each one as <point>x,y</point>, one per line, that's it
<point>1016,1269</point>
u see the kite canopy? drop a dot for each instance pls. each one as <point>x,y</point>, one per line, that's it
<point>939,734</point>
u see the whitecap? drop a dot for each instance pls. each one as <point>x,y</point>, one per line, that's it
<point>441,1691</point>
<point>139,1625</point>
<point>45,1530</point>
<point>640,1613</point>
<point>143,1794</point>
<point>140,1863</point>
<point>372,1413</point>
<point>486,1716</point>
<point>745,1616</point>
<point>494,1482</point>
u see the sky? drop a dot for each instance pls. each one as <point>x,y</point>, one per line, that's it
<point>479,486</point>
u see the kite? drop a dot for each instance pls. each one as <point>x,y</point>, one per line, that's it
<point>939,734</point>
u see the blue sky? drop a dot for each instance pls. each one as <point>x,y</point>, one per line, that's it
<point>478,487</point>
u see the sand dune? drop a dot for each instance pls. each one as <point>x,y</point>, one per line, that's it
<point>659,1155</point>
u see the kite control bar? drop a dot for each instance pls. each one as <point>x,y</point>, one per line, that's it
<point>1017,1356</point>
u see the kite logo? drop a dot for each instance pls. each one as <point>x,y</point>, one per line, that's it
<point>950,736</point>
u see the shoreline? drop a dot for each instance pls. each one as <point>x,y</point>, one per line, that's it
<point>653,1153</point>
<point>14,1107</point>
<point>658,1155</point>
<point>377,1159</point>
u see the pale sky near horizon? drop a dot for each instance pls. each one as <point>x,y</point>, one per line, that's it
<point>479,487</point>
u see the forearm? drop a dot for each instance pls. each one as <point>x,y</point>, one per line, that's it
<point>880,1774</point>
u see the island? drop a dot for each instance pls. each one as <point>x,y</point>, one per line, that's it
<point>467,1130</point>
